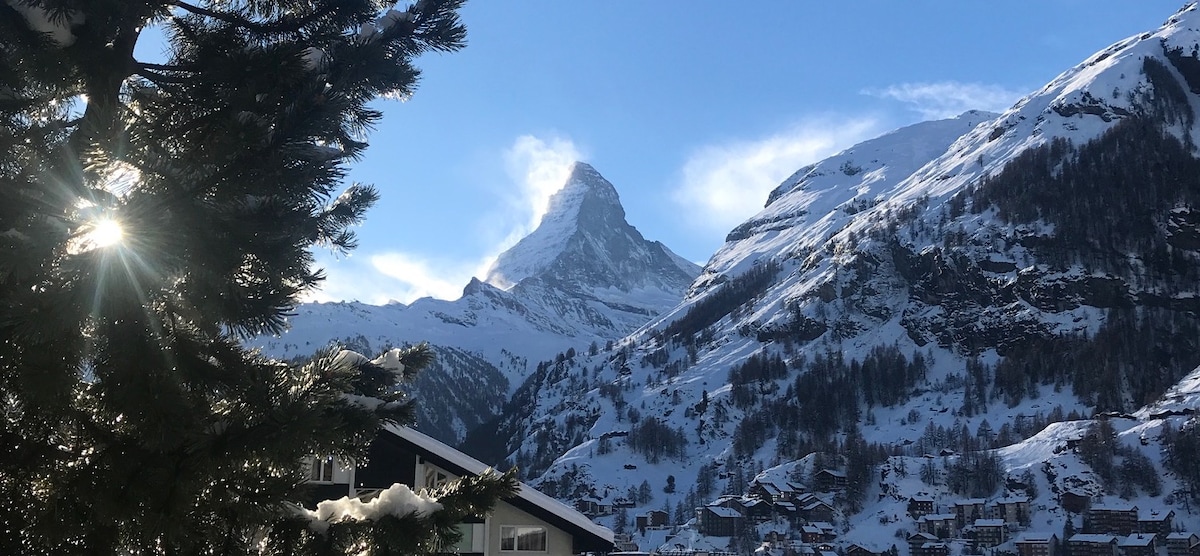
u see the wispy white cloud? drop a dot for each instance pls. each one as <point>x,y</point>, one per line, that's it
<point>393,276</point>
<point>536,168</point>
<point>354,279</point>
<point>945,99</point>
<point>540,167</point>
<point>722,185</point>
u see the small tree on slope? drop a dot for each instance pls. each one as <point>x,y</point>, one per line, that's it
<point>151,214</point>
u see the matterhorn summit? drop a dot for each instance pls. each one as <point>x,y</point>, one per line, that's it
<point>584,244</point>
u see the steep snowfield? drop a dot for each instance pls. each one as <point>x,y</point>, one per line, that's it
<point>819,200</point>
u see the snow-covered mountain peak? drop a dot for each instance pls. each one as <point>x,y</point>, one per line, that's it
<point>582,182</point>
<point>584,244</point>
<point>587,195</point>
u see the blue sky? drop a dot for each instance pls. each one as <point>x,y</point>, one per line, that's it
<point>693,109</point>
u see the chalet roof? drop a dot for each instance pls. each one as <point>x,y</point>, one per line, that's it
<point>771,488</point>
<point>989,523</point>
<point>807,497</point>
<point>526,498</point>
<point>722,511</point>
<point>811,529</point>
<point>813,505</point>
<point>971,502</point>
<point>775,488</point>
<point>833,472</point>
<point>823,525</point>
<point>922,536</point>
<point>1036,537</point>
<point>1136,539</point>
<point>786,506</point>
<point>936,517</point>
<point>1114,507</point>
<point>1155,515</point>
<point>866,546</point>
<point>1092,538</point>
<point>922,498</point>
<point>1179,535</point>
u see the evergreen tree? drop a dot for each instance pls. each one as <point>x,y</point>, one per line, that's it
<point>154,214</point>
<point>621,520</point>
<point>644,493</point>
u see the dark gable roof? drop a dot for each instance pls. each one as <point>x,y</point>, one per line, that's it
<point>588,536</point>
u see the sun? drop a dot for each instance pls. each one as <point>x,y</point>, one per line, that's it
<point>105,233</point>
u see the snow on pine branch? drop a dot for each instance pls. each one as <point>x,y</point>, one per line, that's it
<point>397,500</point>
<point>369,32</point>
<point>390,360</point>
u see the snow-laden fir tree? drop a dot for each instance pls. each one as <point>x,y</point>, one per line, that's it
<point>151,214</point>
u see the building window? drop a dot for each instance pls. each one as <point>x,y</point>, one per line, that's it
<point>322,470</point>
<point>532,539</point>
<point>472,538</point>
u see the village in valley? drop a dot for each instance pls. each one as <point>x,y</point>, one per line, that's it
<point>781,517</point>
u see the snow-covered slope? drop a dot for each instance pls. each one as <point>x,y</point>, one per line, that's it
<point>820,200</point>
<point>583,277</point>
<point>993,274</point>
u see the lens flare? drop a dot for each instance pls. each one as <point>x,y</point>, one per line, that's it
<point>105,233</point>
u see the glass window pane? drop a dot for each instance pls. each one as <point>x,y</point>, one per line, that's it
<point>531,538</point>
<point>467,541</point>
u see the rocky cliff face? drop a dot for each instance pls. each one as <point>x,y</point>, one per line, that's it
<point>584,277</point>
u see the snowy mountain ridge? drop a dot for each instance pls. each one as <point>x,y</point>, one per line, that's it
<point>583,277</point>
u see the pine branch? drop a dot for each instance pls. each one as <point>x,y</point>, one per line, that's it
<point>159,78</point>
<point>282,26</point>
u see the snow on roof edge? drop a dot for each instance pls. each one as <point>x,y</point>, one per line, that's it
<point>524,491</point>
